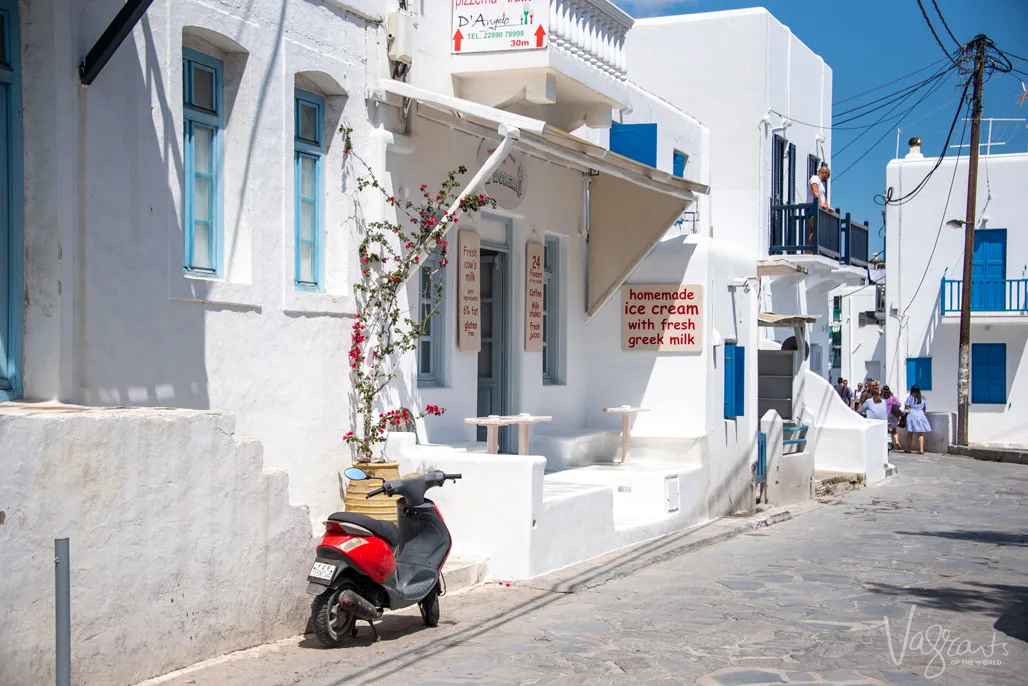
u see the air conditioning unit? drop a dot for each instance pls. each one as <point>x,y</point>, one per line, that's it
<point>400,25</point>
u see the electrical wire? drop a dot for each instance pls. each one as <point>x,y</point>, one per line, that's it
<point>887,198</point>
<point>889,83</point>
<point>945,25</point>
<point>892,97</point>
<point>942,222</point>
<point>934,34</point>
<point>900,116</point>
<point>889,131</point>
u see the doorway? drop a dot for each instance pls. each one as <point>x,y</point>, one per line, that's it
<point>11,199</point>
<point>493,358</point>
<point>989,271</point>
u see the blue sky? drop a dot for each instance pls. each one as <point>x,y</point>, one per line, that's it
<point>870,42</point>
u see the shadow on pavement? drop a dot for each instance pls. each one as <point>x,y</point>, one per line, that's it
<point>1001,538</point>
<point>1010,603</point>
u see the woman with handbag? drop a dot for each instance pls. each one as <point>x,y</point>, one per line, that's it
<point>917,420</point>
<point>896,418</point>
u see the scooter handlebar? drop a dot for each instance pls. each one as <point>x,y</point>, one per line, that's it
<point>452,476</point>
<point>375,492</point>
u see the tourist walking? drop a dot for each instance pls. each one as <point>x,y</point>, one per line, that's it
<point>895,410</point>
<point>917,420</point>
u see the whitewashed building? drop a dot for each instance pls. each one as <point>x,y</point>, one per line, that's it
<point>857,333</point>
<point>925,250</point>
<point>179,251</point>
<point>768,104</point>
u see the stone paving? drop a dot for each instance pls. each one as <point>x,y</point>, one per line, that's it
<point>941,550</point>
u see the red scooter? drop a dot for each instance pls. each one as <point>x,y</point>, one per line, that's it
<point>365,565</point>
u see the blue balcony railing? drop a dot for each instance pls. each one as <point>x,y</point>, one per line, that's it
<point>999,295</point>
<point>808,229</point>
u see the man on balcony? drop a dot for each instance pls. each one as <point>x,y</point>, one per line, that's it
<point>818,192</point>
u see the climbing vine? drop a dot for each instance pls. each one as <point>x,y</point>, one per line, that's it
<point>383,331</point>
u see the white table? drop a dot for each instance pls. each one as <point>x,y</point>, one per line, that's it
<point>492,425</point>
<point>626,412</point>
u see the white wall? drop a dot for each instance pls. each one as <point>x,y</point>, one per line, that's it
<point>182,547</point>
<point>111,320</point>
<point>863,347</point>
<point>915,327</point>
<point>766,68</point>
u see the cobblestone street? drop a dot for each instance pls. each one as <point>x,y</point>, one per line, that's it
<point>941,551</point>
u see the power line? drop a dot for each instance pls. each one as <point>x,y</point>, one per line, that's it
<point>887,197</point>
<point>890,98</point>
<point>934,34</point>
<point>939,12</point>
<point>889,83</point>
<point>901,117</point>
<point>942,221</point>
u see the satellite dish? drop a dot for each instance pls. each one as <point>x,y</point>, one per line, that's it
<point>876,274</point>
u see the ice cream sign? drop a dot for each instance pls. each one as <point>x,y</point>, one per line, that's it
<point>498,25</point>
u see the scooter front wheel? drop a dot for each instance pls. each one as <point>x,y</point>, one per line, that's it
<point>430,608</point>
<point>332,625</point>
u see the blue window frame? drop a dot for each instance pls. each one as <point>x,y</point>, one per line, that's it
<point>678,162</point>
<point>430,344</point>
<point>309,136</point>
<point>919,372</point>
<point>203,110</point>
<point>989,373</point>
<point>635,141</point>
<point>551,311</point>
<point>12,266</point>
<point>735,380</point>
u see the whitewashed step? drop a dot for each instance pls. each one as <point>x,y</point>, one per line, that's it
<point>462,573</point>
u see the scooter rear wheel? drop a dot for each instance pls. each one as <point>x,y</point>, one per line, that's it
<point>430,608</point>
<point>332,626</point>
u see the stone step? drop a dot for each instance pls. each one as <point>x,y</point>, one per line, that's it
<point>463,573</point>
<point>835,483</point>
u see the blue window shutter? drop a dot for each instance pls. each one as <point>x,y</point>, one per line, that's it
<point>989,373</point>
<point>740,381</point>
<point>919,372</point>
<point>678,164</point>
<point>635,141</point>
<point>730,384</point>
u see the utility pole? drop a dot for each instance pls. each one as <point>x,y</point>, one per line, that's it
<point>964,368</point>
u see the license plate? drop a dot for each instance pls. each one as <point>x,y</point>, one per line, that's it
<point>322,571</point>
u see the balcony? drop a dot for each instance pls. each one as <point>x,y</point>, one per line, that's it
<point>808,229</point>
<point>562,61</point>
<point>988,297</point>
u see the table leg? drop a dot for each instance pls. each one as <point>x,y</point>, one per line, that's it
<point>492,439</point>
<point>626,427</point>
<point>523,439</point>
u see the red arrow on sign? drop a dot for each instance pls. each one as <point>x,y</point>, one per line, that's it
<point>457,38</point>
<point>539,33</point>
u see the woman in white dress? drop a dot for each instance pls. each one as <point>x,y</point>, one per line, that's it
<point>917,420</point>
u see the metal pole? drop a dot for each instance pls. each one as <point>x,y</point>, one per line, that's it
<point>63,605</point>
<point>964,363</point>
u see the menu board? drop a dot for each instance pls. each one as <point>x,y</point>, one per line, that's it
<point>535,254</point>
<point>662,317</point>
<point>469,336</point>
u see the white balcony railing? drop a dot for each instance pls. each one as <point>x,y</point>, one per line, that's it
<point>593,30</point>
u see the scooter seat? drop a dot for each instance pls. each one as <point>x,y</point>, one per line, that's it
<point>387,531</point>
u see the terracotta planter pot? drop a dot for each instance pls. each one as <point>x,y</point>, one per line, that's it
<point>381,506</point>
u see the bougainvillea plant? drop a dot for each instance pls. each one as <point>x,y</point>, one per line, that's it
<point>383,331</point>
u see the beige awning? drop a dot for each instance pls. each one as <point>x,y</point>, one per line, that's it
<point>631,204</point>
<point>625,222</point>
<point>785,320</point>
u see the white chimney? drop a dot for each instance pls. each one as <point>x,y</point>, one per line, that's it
<point>915,149</point>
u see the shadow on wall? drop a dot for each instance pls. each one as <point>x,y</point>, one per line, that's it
<point>137,347</point>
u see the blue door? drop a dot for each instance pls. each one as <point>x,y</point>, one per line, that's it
<point>989,271</point>
<point>11,264</point>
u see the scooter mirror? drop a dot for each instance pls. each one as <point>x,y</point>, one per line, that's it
<point>354,474</point>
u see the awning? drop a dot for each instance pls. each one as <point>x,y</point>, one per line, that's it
<point>631,205</point>
<point>785,320</point>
